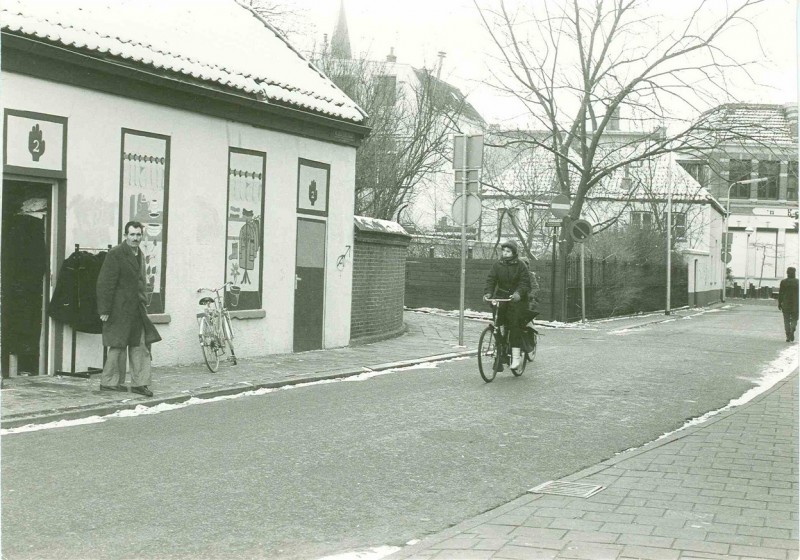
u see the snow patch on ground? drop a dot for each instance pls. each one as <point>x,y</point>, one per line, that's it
<point>777,370</point>
<point>144,410</point>
<point>370,554</point>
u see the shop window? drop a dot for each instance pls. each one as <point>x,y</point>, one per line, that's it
<point>769,170</point>
<point>244,240</point>
<point>641,219</point>
<point>144,197</point>
<point>739,170</point>
<point>791,181</point>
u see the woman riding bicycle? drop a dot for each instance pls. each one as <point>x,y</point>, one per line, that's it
<point>509,278</point>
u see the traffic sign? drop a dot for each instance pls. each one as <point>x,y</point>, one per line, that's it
<point>473,208</point>
<point>773,211</point>
<point>726,257</point>
<point>580,230</point>
<point>559,206</point>
<point>553,223</point>
<point>473,181</point>
<point>474,151</point>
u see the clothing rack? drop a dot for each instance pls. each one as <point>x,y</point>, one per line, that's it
<point>91,370</point>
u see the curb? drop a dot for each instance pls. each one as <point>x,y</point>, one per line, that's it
<point>86,411</point>
<point>427,542</point>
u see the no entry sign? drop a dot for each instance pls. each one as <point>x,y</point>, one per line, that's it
<point>580,230</point>
<point>559,206</point>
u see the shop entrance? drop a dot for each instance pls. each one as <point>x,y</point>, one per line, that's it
<point>24,273</point>
<point>309,285</point>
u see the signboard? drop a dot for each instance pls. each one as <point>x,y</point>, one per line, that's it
<point>559,206</point>
<point>553,223</point>
<point>473,210</point>
<point>35,144</point>
<point>782,212</point>
<point>474,151</point>
<point>726,257</point>
<point>312,187</point>
<point>580,230</point>
<point>473,181</point>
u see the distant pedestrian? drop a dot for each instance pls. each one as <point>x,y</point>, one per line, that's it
<point>121,299</point>
<point>787,302</point>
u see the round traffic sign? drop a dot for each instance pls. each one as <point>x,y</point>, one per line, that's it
<point>473,210</point>
<point>726,257</point>
<point>559,206</point>
<point>580,230</point>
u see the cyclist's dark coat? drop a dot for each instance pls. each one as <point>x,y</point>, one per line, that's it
<point>506,277</point>
<point>120,295</point>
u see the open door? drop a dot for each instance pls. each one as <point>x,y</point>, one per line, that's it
<point>24,274</point>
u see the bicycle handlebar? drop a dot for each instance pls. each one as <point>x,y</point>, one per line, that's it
<point>498,300</point>
<point>225,285</point>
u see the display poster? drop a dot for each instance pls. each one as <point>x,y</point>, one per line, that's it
<point>144,190</point>
<point>245,229</point>
<point>35,144</point>
<point>312,187</point>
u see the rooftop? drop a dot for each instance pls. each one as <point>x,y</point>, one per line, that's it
<point>773,125</point>
<point>221,42</point>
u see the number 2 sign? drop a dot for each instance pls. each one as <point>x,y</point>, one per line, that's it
<point>35,144</point>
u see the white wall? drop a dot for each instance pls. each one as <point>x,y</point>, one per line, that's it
<point>197,211</point>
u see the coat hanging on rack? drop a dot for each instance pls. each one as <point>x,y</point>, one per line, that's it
<point>74,299</point>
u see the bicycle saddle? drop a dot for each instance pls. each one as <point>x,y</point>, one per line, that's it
<point>206,301</point>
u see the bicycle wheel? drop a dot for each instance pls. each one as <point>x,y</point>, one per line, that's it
<point>521,369</point>
<point>208,343</point>
<point>227,330</point>
<point>487,354</point>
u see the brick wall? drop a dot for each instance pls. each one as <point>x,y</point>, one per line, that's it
<point>379,274</point>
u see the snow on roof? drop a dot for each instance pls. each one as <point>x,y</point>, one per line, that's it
<point>762,123</point>
<point>364,223</point>
<point>217,41</point>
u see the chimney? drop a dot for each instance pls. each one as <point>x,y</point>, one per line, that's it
<point>391,57</point>
<point>791,115</point>
<point>441,55</point>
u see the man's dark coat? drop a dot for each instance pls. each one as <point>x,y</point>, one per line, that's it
<point>121,295</point>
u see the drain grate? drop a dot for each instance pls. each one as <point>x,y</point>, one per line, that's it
<point>563,488</point>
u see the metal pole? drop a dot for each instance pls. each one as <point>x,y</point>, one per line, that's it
<point>583,284</point>
<point>746,263</point>
<point>463,248</point>
<point>667,309</point>
<point>725,248</point>
<point>553,278</point>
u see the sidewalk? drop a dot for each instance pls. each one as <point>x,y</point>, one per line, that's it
<point>429,337</point>
<point>727,488</point>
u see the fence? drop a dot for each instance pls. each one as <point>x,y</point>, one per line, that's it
<point>612,287</point>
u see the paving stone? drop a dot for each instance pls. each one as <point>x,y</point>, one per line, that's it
<point>460,543</point>
<point>490,544</point>
<point>491,530</point>
<point>758,552</point>
<point>510,552</point>
<point>632,510</point>
<point>701,546</point>
<point>648,553</point>
<point>770,532</point>
<point>464,555</point>
<point>646,540</point>
<point>631,528</point>
<point>609,517</point>
<point>562,513</point>
<point>788,544</point>
<point>591,536</point>
<point>680,533</point>
<point>538,533</point>
<point>590,551</point>
<point>733,539</point>
<point>576,524</point>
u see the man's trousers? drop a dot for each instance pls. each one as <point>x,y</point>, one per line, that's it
<point>789,322</point>
<point>114,368</point>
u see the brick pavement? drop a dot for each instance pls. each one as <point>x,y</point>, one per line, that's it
<point>726,488</point>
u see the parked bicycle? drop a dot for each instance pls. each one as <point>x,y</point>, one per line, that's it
<point>216,332</point>
<point>494,348</point>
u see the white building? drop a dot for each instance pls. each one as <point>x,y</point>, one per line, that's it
<point>198,119</point>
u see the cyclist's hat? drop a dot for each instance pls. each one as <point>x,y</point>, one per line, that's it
<point>511,244</point>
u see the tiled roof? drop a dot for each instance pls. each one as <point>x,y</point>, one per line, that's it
<point>745,122</point>
<point>458,99</point>
<point>216,41</point>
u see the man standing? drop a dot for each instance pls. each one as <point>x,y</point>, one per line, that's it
<point>787,302</point>
<point>121,298</point>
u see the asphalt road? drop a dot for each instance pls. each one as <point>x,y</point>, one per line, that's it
<point>312,471</point>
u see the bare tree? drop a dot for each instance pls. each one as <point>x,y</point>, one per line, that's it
<point>283,17</point>
<point>576,64</point>
<point>411,128</point>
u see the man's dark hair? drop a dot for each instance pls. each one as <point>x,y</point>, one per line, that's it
<point>133,224</point>
<point>791,271</point>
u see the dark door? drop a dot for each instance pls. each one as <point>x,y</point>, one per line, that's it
<point>309,285</point>
<point>23,272</point>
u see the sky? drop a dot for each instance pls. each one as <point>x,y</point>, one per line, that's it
<point>418,29</point>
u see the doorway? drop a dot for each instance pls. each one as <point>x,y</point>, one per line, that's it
<point>309,285</point>
<point>24,270</point>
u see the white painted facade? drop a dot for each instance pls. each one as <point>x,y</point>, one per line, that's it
<point>197,206</point>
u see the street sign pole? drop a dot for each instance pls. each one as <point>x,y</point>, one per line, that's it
<point>583,284</point>
<point>463,249</point>
<point>553,278</point>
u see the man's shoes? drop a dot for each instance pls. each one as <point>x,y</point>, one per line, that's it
<point>142,390</point>
<point>121,388</point>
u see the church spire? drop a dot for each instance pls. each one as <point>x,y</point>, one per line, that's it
<point>340,41</point>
